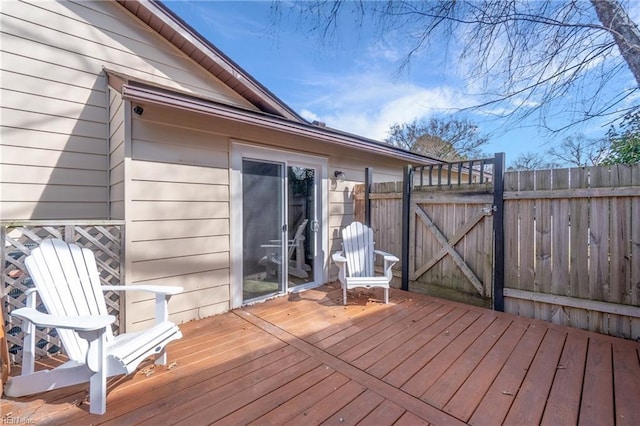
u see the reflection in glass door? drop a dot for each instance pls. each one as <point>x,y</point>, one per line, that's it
<point>262,220</point>
<point>302,225</point>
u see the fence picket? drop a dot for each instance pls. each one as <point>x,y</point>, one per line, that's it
<point>579,247</point>
<point>634,226</point>
<point>527,251</point>
<point>599,285</point>
<point>542,280</point>
<point>511,232</point>
<point>560,226</point>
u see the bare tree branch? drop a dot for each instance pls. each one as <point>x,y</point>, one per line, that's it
<point>528,55</point>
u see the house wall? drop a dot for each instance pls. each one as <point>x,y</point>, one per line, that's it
<point>70,148</point>
<point>54,151</point>
<point>178,216</point>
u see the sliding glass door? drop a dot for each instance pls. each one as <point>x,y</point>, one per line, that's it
<point>302,224</point>
<point>262,225</point>
<point>277,210</point>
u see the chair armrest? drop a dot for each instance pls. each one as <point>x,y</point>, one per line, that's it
<point>158,289</point>
<point>341,262</point>
<point>389,261</point>
<point>163,294</point>
<point>338,258</point>
<point>387,256</point>
<point>77,323</point>
<point>270,245</point>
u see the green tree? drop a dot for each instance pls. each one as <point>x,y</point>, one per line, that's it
<point>625,141</point>
<point>446,139</point>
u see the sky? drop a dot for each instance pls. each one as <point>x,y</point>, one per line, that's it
<point>352,81</point>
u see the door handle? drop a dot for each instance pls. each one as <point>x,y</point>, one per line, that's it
<point>315,225</point>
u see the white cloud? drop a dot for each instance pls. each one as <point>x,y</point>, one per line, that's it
<point>384,50</point>
<point>308,115</point>
<point>367,104</point>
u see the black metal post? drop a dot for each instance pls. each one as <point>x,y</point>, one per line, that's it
<point>407,184</point>
<point>498,231</point>
<point>368,178</point>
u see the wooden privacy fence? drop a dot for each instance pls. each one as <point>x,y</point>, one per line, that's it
<point>570,252</point>
<point>104,238</point>
<point>572,247</point>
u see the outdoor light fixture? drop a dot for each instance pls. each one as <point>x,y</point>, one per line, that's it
<point>340,175</point>
<point>138,109</point>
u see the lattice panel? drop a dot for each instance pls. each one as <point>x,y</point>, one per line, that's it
<point>103,240</point>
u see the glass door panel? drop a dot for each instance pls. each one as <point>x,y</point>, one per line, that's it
<point>262,220</point>
<point>301,222</point>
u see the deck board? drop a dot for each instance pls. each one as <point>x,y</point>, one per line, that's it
<point>307,359</point>
<point>432,370</point>
<point>407,369</point>
<point>498,399</point>
<point>452,379</point>
<point>320,411</point>
<point>382,352</point>
<point>468,397</point>
<point>627,386</point>
<point>355,411</point>
<point>306,399</point>
<point>529,404</point>
<point>400,353</point>
<point>597,396</point>
<point>564,398</point>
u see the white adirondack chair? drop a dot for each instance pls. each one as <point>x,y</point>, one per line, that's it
<point>67,279</point>
<point>356,261</point>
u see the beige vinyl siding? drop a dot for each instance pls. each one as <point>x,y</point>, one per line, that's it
<point>116,156</point>
<point>53,151</point>
<point>55,125</point>
<point>101,33</point>
<point>38,182</point>
<point>178,218</point>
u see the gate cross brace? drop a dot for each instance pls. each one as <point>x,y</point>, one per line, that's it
<point>447,247</point>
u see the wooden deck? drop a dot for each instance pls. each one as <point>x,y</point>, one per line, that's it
<point>306,359</point>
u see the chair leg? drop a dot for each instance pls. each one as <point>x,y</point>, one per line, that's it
<point>98,393</point>
<point>344,295</point>
<point>386,295</point>
<point>98,382</point>
<point>161,358</point>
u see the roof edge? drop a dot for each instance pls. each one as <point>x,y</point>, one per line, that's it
<point>226,67</point>
<point>163,97</point>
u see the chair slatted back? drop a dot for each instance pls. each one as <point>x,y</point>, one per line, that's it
<point>67,279</point>
<point>357,245</point>
<point>296,237</point>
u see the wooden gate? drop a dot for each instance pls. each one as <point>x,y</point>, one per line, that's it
<point>447,228</point>
<point>451,245</point>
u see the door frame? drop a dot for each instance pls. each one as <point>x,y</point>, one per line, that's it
<point>238,151</point>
